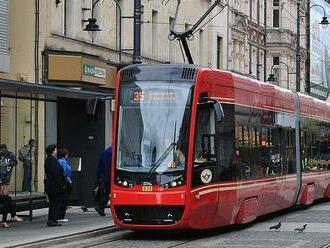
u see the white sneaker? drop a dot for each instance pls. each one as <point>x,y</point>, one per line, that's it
<point>63,220</point>
<point>5,225</point>
<point>16,219</point>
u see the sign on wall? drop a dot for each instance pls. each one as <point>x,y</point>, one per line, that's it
<point>94,71</point>
<point>319,51</point>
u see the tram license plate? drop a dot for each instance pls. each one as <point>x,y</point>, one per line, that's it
<point>146,188</point>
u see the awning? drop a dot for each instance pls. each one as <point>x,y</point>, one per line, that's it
<point>22,90</point>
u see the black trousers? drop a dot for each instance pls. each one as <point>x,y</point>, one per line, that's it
<point>27,177</point>
<point>9,207</point>
<point>55,203</point>
<point>64,206</point>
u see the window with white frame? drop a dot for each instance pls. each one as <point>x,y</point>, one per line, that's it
<point>171,43</point>
<point>69,18</point>
<point>4,36</point>
<point>154,31</point>
<point>276,69</point>
<point>201,46</point>
<point>219,52</point>
<point>276,13</point>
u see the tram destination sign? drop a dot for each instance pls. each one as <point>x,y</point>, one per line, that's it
<point>154,96</point>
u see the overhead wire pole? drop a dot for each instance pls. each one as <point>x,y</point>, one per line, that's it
<point>182,36</point>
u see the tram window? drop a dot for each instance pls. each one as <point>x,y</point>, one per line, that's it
<point>205,157</point>
<point>205,131</point>
<point>315,145</point>
<point>227,155</point>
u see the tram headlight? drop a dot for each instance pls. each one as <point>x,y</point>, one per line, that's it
<point>174,183</point>
<point>124,183</point>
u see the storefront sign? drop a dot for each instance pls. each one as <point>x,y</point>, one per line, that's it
<point>76,70</point>
<point>319,91</point>
<point>90,70</point>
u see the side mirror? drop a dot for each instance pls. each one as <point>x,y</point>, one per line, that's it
<point>219,114</point>
<point>218,111</point>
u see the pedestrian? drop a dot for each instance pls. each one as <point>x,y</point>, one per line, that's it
<point>7,163</point>
<point>54,185</point>
<point>26,155</point>
<point>103,179</point>
<point>62,156</point>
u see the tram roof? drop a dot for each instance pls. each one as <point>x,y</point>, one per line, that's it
<point>247,91</point>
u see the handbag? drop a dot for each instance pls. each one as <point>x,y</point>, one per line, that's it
<point>96,193</point>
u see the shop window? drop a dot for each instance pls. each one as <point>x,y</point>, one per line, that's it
<point>17,129</point>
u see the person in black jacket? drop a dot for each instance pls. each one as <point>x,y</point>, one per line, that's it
<point>103,179</point>
<point>54,185</point>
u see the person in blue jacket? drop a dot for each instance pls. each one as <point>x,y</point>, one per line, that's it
<point>62,156</point>
<point>103,179</point>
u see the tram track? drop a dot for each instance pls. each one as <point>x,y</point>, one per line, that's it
<point>107,243</point>
<point>115,238</point>
<point>256,234</point>
<point>63,240</point>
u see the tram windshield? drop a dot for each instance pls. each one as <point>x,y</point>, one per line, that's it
<point>153,125</point>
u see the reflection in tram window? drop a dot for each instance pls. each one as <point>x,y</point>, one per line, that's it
<point>315,145</point>
<point>265,143</point>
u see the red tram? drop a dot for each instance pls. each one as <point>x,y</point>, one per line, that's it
<point>200,148</point>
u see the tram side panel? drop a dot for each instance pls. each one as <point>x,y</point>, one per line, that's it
<point>261,187</point>
<point>315,149</point>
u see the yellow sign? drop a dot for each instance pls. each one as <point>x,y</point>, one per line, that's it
<point>146,188</point>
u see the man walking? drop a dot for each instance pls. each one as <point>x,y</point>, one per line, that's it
<point>103,179</point>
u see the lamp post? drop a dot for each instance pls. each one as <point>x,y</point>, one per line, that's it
<point>137,32</point>
<point>324,21</point>
<point>92,27</point>
<point>298,53</point>
<point>271,77</point>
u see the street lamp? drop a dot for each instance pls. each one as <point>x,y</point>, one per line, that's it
<point>324,21</point>
<point>271,77</point>
<point>92,27</point>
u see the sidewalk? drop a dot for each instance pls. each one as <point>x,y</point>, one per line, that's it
<point>35,230</point>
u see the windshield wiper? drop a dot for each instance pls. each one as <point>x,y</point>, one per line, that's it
<point>164,155</point>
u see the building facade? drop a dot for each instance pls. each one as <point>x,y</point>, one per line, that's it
<point>52,49</point>
<point>251,37</point>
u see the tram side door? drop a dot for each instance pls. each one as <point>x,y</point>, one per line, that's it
<point>205,172</point>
